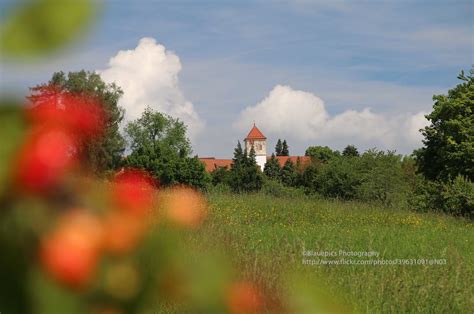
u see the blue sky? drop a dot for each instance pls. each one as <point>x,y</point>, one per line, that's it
<point>389,56</point>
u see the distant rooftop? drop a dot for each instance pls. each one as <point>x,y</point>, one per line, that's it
<point>255,134</point>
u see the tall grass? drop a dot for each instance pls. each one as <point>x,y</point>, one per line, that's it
<point>266,235</point>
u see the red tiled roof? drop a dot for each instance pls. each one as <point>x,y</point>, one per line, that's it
<point>304,160</point>
<point>255,134</point>
<point>211,163</point>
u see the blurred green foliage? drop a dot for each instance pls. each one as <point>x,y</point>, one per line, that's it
<point>11,132</point>
<point>37,28</point>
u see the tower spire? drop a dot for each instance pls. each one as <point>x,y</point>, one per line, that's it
<point>258,141</point>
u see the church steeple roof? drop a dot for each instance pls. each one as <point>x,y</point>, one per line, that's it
<point>255,134</point>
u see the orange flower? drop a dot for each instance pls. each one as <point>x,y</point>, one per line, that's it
<point>71,252</point>
<point>244,297</point>
<point>185,206</point>
<point>122,232</point>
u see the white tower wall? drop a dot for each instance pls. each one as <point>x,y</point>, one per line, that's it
<point>259,146</point>
<point>261,160</point>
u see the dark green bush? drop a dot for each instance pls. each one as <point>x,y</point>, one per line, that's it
<point>454,197</point>
<point>288,174</point>
<point>425,195</point>
<point>458,197</point>
<point>375,176</point>
<point>338,178</point>
<point>220,175</point>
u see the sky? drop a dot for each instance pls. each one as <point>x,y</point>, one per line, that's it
<point>312,72</point>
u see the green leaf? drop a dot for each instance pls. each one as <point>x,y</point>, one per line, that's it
<point>11,133</point>
<point>49,297</point>
<point>37,28</point>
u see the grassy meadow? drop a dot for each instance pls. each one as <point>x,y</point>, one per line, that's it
<point>266,236</point>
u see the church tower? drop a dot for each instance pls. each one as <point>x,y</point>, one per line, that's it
<point>256,139</point>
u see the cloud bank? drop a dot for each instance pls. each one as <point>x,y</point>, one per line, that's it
<point>302,116</point>
<point>148,76</point>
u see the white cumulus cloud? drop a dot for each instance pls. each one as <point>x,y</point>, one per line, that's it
<point>148,76</point>
<point>302,116</point>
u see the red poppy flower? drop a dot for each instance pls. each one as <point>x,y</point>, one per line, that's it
<point>133,191</point>
<point>44,159</point>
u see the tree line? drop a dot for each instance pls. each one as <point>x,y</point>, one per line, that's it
<point>438,176</point>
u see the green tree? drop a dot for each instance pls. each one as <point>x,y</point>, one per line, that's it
<point>375,176</point>
<point>383,178</point>
<point>310,175</point>
<point>252,157</point>
<point>272,168</point>
<point>338,177</point>
<point>449,140</point>
<point>300,168</point>
<point>254,174</point>
<point>239,157</point>
<point>158,131</point>
<point>245,172</point>
<point>454,196</point>
<point>284,149</point>
<point>105,152</point>
<point>322,153</point>
<point>350,151</point>
<point>221,175</point>
<point>278,148</point>
<point>288,174</point>
<point>191,171</point>
<point>159,145</point>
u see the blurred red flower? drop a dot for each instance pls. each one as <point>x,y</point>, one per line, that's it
<point>244,297</point>
<point>44,158</point>
<point>61,122</point>
<point>122,232</point>
<point>70,253</point>
<point>79,114</point>
<point>134,191</point>
<point>185,206</point>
